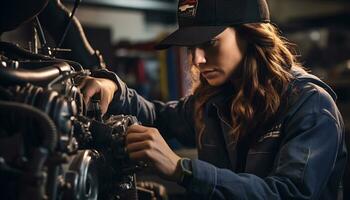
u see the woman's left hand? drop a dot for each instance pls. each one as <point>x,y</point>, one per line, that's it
<point>146,144</point>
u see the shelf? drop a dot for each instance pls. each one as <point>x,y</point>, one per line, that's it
<point>146,5</point>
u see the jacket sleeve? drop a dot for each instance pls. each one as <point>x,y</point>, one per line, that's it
<point>172,119</point>
<point>302,167</point>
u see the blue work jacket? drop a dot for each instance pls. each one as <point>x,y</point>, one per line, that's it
<point>300,156</point>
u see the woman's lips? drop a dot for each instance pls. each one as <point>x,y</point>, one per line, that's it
<point>210,74</point>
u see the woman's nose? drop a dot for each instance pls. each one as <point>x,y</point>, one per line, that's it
<point>198,56</point>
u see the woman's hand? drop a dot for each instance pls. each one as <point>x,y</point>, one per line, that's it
<point>146,144</point>
<point>91,86</point>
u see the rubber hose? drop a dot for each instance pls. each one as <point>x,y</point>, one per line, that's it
<point>47,126</point>
<point>18,76</point>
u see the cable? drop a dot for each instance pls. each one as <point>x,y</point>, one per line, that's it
<point>41,32</point>
<point>76,4</point>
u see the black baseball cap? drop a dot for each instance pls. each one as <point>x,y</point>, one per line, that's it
<point>202,20</point>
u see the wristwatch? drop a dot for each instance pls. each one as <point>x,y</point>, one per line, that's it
<point>186,171</point>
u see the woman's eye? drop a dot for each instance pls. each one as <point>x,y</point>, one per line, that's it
<point>211,43</point>
<point>214,43</point>
<point>207,45</point>
<point>190,49</point>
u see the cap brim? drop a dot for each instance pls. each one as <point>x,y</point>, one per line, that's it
<point>189,36</point>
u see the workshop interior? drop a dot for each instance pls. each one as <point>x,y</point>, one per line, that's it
<point>54,146</point>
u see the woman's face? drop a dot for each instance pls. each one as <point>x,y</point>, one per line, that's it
<point>219,58</point>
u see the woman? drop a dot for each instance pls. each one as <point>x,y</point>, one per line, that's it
<point>264,128</point>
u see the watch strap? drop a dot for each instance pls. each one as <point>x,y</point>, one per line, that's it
<point>186,171</point>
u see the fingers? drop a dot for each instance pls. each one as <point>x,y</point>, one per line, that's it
<point>140,138</point>
<point>140,142</point>
<point>104,102</point>
<point>136,128</point>
<point>138,146</point>
<point>89,87</point>
<point>91,90</point>
<point>137,133</point>
<point>137,137</point>
<point>140,155</point>
<point>79,80</point>
<point>106,98</point>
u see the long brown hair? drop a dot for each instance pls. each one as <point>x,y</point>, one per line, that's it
<point>259,82</point>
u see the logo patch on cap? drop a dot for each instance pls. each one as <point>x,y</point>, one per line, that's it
<point>187,8</point>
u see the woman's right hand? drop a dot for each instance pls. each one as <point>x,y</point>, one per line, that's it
<point>146,144</point>
<point>90,86</point>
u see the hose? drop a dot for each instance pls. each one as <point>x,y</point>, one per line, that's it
<point>47,126</point>
<point>11,76</point>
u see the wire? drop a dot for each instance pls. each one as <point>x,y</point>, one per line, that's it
<point>41,32</point>
<point>76,4</point>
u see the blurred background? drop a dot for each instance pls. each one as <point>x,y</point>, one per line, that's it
<point>124,31</point>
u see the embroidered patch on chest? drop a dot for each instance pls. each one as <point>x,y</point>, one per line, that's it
<point>274,132</point>
<point>187,8</point>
